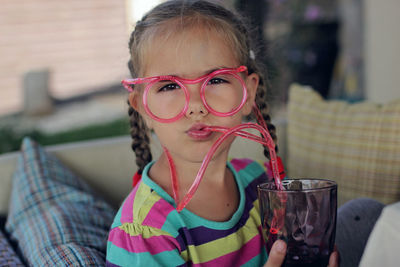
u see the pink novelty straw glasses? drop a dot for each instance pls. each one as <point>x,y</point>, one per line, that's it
<point>223,93</point>
<point>166,98</point>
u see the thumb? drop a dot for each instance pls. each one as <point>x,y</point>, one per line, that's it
<point>277,254</point>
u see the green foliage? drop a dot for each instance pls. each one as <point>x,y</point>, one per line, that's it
<point>10,139</point>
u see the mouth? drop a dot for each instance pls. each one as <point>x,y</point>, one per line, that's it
<point>198,131</point>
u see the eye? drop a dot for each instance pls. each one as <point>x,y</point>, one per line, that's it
<point>169,87</point>
<point>216,80</point>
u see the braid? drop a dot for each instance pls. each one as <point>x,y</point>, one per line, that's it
<point>255,65</point>
<point>261,102</point>
<point>139,131</point>
<point>262,105</point>
<point>140,139</point>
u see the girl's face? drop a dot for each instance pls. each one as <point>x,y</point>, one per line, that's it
<point>191,54</point>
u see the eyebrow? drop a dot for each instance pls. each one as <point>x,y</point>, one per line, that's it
<point>204,73</point>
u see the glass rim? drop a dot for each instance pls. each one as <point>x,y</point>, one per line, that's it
<point>331,185</point>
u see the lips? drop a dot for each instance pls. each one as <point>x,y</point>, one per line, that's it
<point>197,131</point>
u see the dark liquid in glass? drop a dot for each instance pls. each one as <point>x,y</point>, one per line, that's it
<point>304,216</point>
<point>318,263</point>
<point>300,254</point>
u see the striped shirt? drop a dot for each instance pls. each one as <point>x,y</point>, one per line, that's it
<point>148,231</point>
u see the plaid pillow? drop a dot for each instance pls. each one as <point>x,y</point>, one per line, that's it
<point>357,145</point>
<point>54,217</point>
<point>8,257</point>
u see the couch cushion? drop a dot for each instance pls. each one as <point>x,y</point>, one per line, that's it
<point>54,217</point>
<point>8,257</point>
<point>357,145</point>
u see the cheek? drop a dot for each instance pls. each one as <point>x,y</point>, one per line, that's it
<point>231,121</point>
<point>148,121</point>
<point>140,108</point>
<point>163,130</point>
<point>247,108</point>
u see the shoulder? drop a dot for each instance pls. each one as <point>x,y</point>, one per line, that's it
<point>249,174</point>
<point>143,206</point>
<point>141,242</point>
<point>139,227</point>
<point>245,163</point>
<point>249,170</point>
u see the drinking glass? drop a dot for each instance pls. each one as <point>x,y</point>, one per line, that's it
<point>303,215</point>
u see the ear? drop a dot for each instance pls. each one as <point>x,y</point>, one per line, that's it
<point>136,103</point>
<point>251,82</point>
<point>133,100</point>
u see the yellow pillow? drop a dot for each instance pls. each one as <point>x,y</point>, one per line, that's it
<point>357,145</point>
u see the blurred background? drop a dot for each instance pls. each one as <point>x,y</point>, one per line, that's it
<point>62,61</point>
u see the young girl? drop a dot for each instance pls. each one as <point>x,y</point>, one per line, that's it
<point>197,70</point>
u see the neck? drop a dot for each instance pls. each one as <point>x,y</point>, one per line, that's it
<point>215,174</point>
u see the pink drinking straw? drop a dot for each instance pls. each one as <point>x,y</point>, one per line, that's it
<point>172,171</point>
<point>235,130</point>
<point>265,140</point>
<point>223,130</point>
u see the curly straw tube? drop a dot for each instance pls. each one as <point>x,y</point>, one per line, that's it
<point>267,141</point>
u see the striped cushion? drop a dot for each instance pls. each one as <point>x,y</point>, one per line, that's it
<point>54,217</point>
<point>357,145</point>
<point>8,257</point>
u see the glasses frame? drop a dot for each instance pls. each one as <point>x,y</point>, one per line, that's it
<point>181,82</point>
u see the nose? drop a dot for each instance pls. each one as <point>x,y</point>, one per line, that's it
<point>196,108</point>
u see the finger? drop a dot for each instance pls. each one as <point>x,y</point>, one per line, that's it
<point>334,259</point>
<point>277,254</point>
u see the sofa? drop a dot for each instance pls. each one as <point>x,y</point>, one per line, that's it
<point>59,201</point>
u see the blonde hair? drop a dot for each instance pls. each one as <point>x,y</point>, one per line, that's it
<point>175,16</point>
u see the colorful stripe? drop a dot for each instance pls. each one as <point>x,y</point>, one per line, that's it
<point>127,207</point>
<point>157,214</point>
<point>157,234</point>
<point>139,243</point>
<point>239,257</point>
<point>121,257</point>
<point>240,164</point>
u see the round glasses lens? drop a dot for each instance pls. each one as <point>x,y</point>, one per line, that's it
<point>223,92</point>
<point>165,99</point>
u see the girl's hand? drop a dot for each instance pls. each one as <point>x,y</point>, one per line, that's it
<point>278,252</point>
<point>334,258</point>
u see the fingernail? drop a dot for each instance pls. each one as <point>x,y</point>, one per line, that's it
<point>281,246</point>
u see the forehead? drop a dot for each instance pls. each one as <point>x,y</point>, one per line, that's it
<point>187,53</point>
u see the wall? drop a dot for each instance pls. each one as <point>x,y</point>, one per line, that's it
<point>82,42</point>
<point>382,50</point>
